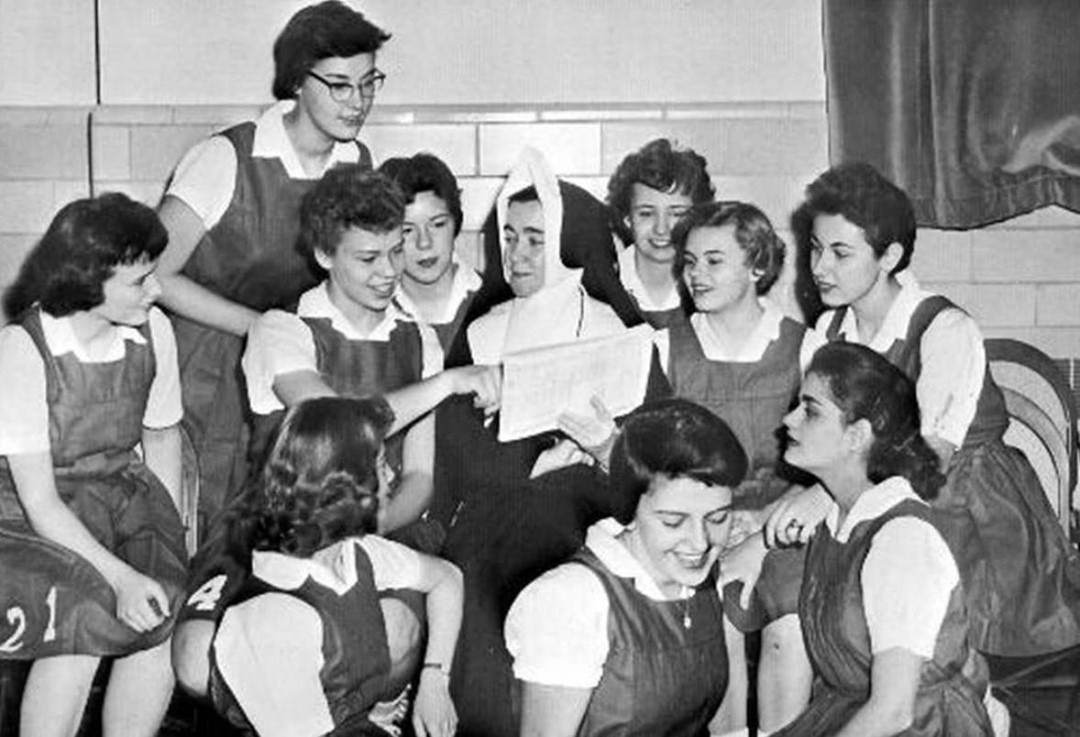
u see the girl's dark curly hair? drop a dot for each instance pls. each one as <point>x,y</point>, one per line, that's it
<point>862,196</point>
<point>317,32</point>
<point>347,196</point>
<point>320,482</point>
<point>671,438</point>
<point>866,386</point>
<point>85,242</point>
<point>753,232</point>
<point>662,166</point>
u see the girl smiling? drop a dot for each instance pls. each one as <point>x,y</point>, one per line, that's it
<point>627,638</point>
<point>1021,576</point>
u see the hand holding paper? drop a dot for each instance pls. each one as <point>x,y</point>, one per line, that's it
<point>541,384</point>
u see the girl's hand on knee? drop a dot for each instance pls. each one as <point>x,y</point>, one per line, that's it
<point>141,602</point>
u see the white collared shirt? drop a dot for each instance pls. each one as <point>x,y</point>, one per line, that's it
<point>557,629</point>
<point>465,281</point>
<point>393,565</point>
<point>280,343</point>
<point>269,649</point>
<point>24,411</point>
<point>631,281</point>
<point>952,354</point>
<point>908,575</point>
<point>205,178</point>
<point>765,332</point>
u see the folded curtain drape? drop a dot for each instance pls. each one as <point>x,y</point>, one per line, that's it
<point>972,106</point>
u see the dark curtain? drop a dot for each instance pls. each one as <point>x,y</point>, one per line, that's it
<point>972,106</point>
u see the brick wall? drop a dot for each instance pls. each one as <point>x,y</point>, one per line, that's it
<point>1020,278</point>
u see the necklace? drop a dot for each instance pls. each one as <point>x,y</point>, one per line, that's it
<point>687,594</point>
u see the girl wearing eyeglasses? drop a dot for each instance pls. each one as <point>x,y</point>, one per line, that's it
<point>231,210</point>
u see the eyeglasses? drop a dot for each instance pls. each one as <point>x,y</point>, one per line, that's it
<point>368,85</point>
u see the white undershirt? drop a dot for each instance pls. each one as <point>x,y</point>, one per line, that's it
<point>557,629</point>
<point>280,342</point>
<point>631,281</point>
<point>908,575</point>
<point>269,648</point>
<point>24,410</point>
<point>205,178</point>
<point>952,353</point>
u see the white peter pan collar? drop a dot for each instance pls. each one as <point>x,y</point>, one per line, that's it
<point>273,142</point>
<point>765,332</point>
<point>316,303</point>
<point>873,503</point>
<point>602,540</point>
<point>60,337</point>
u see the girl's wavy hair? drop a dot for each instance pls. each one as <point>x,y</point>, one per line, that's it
<point>866,386</point>
<point>660,165</point>
<point>320,482</point>
<point>861,195</point>
<point>671,438</point>
<point>762,247</point>
<point>85,242</point>
<point>347,196</point>
<point>425,172</point>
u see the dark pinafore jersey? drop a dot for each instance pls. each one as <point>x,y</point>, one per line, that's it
<point>751,397</point>
<point>948,701</point>
<point>359,368</point>
<point>1021,577</point>
<point>250,257</point>
<point>666,670</point>
<point>356,660</point>
<point>448,332</point>
<point>56,602</point>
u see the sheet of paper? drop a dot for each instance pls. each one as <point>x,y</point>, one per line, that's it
<point>540,384</point>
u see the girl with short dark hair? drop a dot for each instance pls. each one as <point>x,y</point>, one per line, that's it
<point>91,544</point>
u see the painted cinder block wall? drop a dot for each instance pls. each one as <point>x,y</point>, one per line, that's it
<point>743,85</point>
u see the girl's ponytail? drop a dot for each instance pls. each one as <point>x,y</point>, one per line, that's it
<point>911,458</point>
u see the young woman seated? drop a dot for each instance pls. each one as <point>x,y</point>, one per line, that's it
<point>302,648</point>
<point>627,638</point>
<point>91,545</point>
<point>882,604</point>
<point>344,338</point>
<point>1021,575</point>
<point>436,287</point>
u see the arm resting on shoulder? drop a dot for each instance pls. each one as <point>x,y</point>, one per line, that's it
<point>179,293</point>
